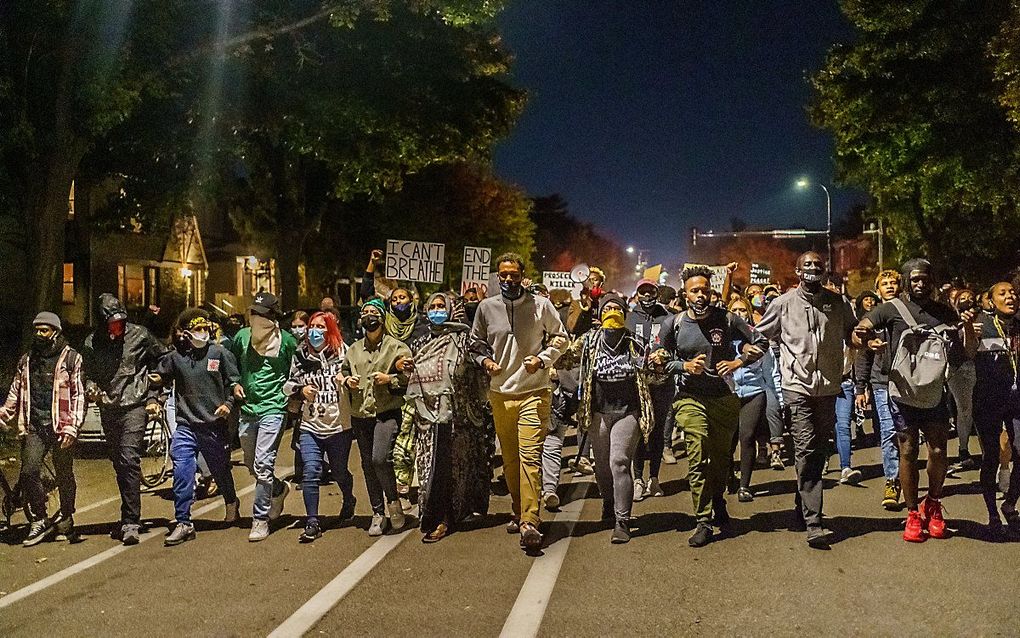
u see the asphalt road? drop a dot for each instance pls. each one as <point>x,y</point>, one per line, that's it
<point>759,580</point>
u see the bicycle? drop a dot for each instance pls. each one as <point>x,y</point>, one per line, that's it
<point>13,496</point>
<point>156,464</point>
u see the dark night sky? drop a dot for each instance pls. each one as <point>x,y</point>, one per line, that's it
<point>652,116</point>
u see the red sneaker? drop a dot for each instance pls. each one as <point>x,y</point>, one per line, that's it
<point>931,512</point>
<point>914,531</point>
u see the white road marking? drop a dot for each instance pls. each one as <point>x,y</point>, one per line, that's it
<point>97,504</point>
<point>319,605</point>
<point>526,616</point>
<point>67,572</point>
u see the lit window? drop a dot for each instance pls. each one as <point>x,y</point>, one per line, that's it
<point>70,206</point>
<point>68,290</point>
<point>131,280</point>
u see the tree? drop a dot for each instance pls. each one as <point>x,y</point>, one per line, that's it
<point>917,114</point>
<point>353,112</point>
<point>562,241</point>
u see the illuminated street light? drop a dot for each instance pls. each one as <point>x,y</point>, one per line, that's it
<point>802,184</point>
<point>630,250</point>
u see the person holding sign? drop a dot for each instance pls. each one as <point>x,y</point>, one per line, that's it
<point>698,346</point>
<point>373,375</point>
<point>523,338</point>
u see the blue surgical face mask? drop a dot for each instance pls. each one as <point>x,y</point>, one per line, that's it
<point>298,331</point>
<point>438,316</point>
<point>316,337</point>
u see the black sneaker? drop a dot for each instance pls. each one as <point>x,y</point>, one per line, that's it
<point>702,536</point>
<point>745,495</point>
<point>347,509</point>
<point>621,533</point>
<point>38,532</point>
<point>312,531</point>
<point>65,529</point>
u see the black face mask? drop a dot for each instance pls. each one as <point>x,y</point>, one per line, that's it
<point>700,307</point>
<point>647,302</point>
<point>370,323</point>
<point>402,311</point>
<point>511,289</point>
<point>42,344</point>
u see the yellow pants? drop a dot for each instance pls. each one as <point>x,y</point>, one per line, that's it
<point>522,421</point>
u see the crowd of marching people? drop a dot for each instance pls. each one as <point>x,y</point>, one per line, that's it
<point>427,386</point>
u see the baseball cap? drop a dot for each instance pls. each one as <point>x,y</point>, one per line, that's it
<point>265,304</point>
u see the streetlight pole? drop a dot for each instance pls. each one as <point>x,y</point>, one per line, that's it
<point>804,183</point>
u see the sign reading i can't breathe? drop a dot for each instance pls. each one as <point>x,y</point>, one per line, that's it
<point>418,261</point>
<point>477,268</point>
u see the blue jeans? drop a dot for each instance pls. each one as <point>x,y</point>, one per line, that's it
<point>260,441</point>
<point>844,414</point>
<point>338,448</point>
<point>188,441</point>
<point>887,432</point>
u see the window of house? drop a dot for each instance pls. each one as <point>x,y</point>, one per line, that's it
<point>68,288</point>
<point>131,281</point>
<point>70,204</point>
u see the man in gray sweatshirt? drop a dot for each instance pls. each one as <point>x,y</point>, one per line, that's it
<point>812,326</point>
<point>525,337</point>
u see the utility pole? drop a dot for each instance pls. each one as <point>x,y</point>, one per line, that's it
<point>880,232</point>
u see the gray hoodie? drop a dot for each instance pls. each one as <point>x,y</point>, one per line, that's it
<point>811,330</point>
<point>515,330</point>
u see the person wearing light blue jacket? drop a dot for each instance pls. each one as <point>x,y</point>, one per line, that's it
<point>756,386</point>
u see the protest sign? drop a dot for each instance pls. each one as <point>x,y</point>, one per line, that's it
<point>720,279</point>
<point>476,270</point>
<point>761,274</point>
<point>555,279</point>
<point>418,261</point>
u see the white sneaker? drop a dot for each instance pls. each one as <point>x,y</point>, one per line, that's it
<point>276,506</point>
<point>232,512</point>
<point>551,500</point>
<point>259,531</point>
<point>397,519</point>
<point>639,490</point>
<point>850,476</point>
<point>653,488</point>
<point>379,525</point>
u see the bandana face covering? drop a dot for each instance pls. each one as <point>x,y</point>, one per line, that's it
<point>700,307</point>
<point>265,336</point>
<point>613,319</point>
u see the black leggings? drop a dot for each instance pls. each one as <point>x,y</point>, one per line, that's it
<point>989,418</point>
<point>662,407</point>
<point>752,425</point>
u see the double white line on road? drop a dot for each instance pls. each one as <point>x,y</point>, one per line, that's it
<point>101,557</point>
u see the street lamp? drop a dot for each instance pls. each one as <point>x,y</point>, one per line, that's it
<point>630,250</point>
<point>802,184</point>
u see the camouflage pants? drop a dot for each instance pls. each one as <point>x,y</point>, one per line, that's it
<point>403,450</point>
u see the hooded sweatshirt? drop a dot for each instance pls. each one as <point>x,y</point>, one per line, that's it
<point>119,368</point>
<point>812,331</point>
<point>330,412</point>
<point>203,380</point>
<point>514,330</point>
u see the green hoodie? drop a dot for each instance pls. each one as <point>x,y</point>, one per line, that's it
<point>263,377</point>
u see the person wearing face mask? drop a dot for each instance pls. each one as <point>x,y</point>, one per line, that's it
<point>998,404</point>
<point>117,359</point>
<point>871,381</point>
<point>644,324</point>
<point>698,346</point>
<point>615,407</point>
<point>46,401</point>
<point>299,325</point>
<point>447,388</point>
<point>924,520</point>
<point>961,382</point>
<point>324,429</point>
<point>812,326</point>
<point>524,337</point>
<point>263,351</point>
<point>756,385</point>
<point>299,328</point>
<point>203,375</point>
<point>373,375</point>
<point>582,315</point>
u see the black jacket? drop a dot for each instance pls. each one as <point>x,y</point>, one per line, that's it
<point>119,368</point>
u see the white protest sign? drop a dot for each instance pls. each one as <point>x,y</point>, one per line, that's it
<point>556,280</point>
<point>720,279</point>
<point>418,261</point>
<point>476,270</point>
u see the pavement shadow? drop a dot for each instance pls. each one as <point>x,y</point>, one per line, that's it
<point>669,488</point>
<point>774,521</point>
